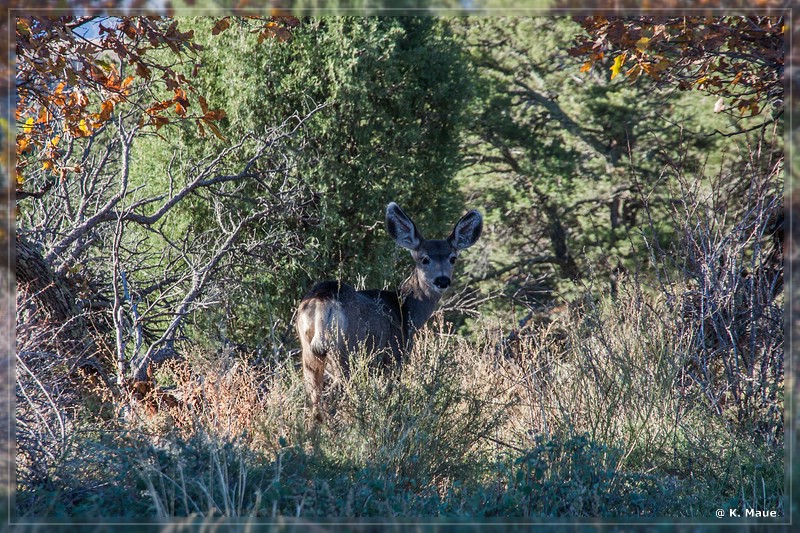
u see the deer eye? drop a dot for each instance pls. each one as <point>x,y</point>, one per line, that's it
<point>425,260</point>
<point>452,260</point>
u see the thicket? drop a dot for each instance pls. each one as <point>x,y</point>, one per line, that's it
<point>613,347</point>
<point>393,98</point>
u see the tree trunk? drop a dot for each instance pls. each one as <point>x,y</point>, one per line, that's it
<point>49,292</point>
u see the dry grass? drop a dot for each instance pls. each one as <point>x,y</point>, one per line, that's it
<point>665,398</point>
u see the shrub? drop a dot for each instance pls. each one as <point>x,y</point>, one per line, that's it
<point>574,476</point>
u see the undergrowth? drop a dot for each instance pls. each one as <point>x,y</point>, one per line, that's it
<point>662,398</point>
<point>587,417</point>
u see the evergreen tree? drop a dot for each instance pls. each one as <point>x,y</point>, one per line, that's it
<point>393,89</point>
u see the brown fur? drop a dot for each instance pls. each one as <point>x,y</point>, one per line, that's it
<point>334,318</point>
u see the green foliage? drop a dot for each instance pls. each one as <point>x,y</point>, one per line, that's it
<point>74,486</point>
<point>393,91</point>
<point>577,172</point>
<point>574,476</point>
<point>658,390</point>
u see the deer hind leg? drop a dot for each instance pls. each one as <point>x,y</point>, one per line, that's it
<point>313,354</point>
<point>313,375</point>
<point>321,333</point>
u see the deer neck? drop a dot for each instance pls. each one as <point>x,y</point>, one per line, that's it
<point>418,302</point>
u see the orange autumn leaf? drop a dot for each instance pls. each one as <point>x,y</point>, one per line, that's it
<point>105,110</point>
<point>215,114</point>
<point>22,145</point>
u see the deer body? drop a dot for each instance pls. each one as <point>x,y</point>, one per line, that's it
<point>335,319</point>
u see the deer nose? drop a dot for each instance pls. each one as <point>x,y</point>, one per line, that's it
<point>442,282</point>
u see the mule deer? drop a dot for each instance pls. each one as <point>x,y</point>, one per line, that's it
<point>335,319</point>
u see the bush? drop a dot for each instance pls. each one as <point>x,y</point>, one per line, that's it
<point>573,476</point>
<point>427,423</point>
<point>459,431</point>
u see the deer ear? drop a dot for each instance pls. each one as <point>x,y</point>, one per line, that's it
<point>402,228</point>
<point>466,231</point>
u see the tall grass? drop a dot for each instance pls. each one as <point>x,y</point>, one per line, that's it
<point>588,418</point>
<point>664,398</point>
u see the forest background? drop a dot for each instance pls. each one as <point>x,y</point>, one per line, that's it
<point>614,346</point>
